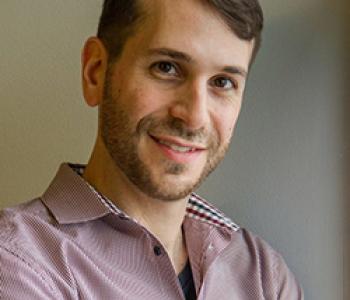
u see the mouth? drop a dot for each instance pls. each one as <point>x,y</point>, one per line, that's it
<point>177,149</point>
<point>177,144</point>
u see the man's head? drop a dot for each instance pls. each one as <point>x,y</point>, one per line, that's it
<point>170,93</point>
<point>121,18</point>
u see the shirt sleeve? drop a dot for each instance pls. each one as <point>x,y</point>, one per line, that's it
<point>20,280</point>
<point>288,287</point>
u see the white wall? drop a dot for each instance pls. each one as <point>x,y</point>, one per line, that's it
<point>43,119</point>
<point>284,175</point>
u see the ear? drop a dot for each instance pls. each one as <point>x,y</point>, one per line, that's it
<point>94,60</point>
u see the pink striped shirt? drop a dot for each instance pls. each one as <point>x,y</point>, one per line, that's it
<point>72,243</point>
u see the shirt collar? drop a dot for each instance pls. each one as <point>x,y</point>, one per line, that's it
<point>71,199</point>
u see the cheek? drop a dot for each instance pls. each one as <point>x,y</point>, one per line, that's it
<point>142,101</point>
<point>228,131</point>
<point>225,124</point>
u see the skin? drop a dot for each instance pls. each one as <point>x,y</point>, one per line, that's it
<point>179,81</point>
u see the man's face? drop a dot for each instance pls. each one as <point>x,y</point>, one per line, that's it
<point>173,97</point>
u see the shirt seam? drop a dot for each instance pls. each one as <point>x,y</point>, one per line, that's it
<point>30,266</point>
<point>277,272</point>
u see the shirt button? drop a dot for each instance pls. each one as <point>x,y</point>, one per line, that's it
<point>157,250</point>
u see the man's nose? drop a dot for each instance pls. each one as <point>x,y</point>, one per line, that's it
<point>191,105</point>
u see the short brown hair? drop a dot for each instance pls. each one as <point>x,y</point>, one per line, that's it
<point>119,20</point>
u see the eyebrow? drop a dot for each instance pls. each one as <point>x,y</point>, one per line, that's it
<point>236,70</point>
<point>178,55</point>
<point>171,53</point>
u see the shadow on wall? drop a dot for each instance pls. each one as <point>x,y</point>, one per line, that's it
<point>284,174</point>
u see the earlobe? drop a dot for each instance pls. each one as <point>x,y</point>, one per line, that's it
<point>94,64</point>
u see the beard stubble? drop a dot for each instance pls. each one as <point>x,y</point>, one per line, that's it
<point>121,139</point>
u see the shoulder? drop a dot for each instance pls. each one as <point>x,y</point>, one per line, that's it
<point>18,222</point>
<point>218,225</point>
<point>265,267</point>
<point>247,259</point>
<point>20,257</point>
<point>24,230</point>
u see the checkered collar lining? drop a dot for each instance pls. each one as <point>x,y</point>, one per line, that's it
<point>197,207</point>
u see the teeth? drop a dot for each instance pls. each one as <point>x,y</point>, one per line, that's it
<point>176,147</point>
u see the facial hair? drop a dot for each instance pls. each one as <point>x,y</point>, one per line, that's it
<point>121,139</point>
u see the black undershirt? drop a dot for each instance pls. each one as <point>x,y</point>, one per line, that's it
<point>187,283</point>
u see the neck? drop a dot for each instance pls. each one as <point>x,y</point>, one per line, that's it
<point>162,218</point>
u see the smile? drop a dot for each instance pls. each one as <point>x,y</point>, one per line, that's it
<point>178,150</point>
<point>176,147</point>
<point>177,144</point>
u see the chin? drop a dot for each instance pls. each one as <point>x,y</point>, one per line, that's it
<point>173,187</point>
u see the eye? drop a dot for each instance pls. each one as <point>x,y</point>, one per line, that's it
<point>164,67</point>
<point>225,83</point>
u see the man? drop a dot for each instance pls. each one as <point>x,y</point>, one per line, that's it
<point>168,78</point>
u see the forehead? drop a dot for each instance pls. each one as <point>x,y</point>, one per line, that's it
<point>177,15</point>
<point>190,27</point>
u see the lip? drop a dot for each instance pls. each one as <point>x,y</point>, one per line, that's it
<point>178,142</point>
<point>178,157</point>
